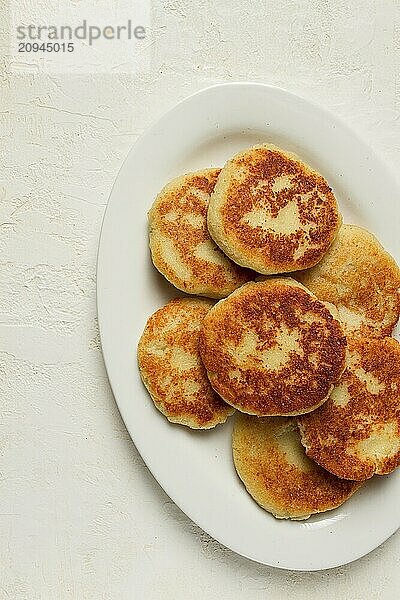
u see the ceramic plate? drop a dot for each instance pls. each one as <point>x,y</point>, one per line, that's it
<point>194,467</point>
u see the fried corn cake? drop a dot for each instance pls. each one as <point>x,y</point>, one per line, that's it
<point>276,472</point>
<point>361,279</point>
<point>181,247</point>
<point>356,433</point>
<point>272,348</point>
<point>271,212</point>
<point>171,369</point>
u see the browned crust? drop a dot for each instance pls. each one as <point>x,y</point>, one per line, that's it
<point>265,307</point>
<point>183,197</point>
<point>359,275</point>
<point>276,252</point>
<point>275,483</point>
<point>175,327</point>
<point>331,433</point>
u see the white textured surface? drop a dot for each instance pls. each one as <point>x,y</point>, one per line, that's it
<point>80,516</point>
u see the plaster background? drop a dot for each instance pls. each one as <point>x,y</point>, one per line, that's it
<point>80,515</point>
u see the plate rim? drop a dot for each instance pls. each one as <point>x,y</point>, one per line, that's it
<point>157,122</point>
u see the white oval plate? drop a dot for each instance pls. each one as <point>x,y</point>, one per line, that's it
<point>195,468</point>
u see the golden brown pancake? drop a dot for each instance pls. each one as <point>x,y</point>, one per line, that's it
<point>181,247</point>
<point>361,279</point>
<point>356,433</point>
<point>271,212</point>
<point>272,464</point>
<point>171,368</point>
<point>272,348</point>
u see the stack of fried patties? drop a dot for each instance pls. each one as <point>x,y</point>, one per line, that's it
<point>298,344</point>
